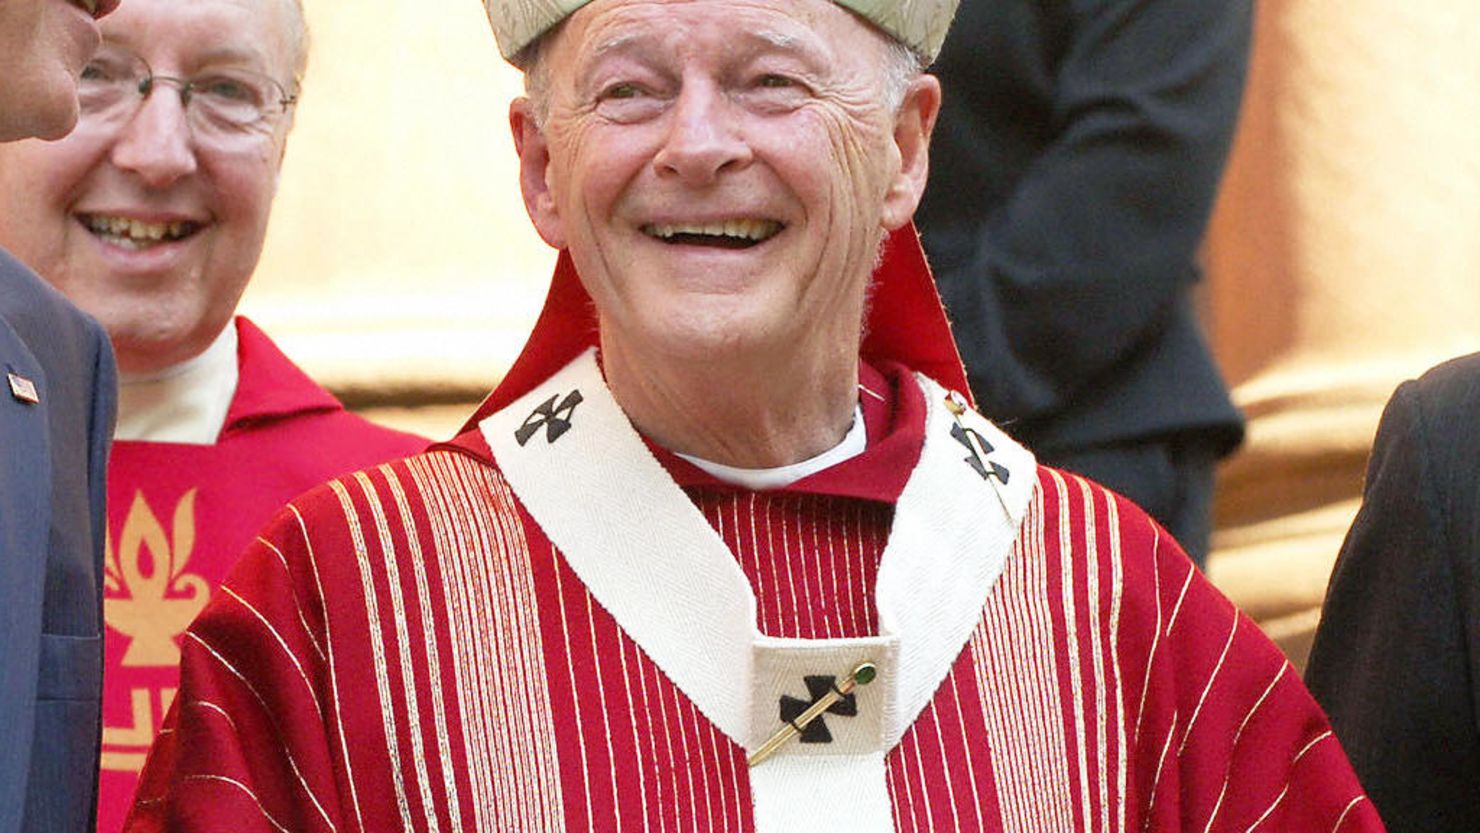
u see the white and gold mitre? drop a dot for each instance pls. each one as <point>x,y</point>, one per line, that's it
<point>919,24</point>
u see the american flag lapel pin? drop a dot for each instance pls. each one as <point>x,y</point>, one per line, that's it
<point>23,389</point>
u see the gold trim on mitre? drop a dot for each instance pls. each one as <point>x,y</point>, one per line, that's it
<point>919,24</point>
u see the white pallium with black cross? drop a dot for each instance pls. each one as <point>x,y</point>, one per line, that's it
<point>652,560</point>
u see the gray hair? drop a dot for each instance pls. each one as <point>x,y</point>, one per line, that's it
<point>902,65</point>
<point>298,32</point>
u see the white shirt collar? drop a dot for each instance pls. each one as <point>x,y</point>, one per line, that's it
<point>185,403</point>
<point>852,445</point>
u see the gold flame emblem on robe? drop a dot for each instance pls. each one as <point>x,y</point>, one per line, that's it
<point>154,598</point>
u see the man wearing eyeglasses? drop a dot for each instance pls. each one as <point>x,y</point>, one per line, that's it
<point>56,415</point>
<point>152,216</point>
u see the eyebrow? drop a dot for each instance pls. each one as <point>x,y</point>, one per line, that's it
<point>616,44</point>
<point>219,55</point>
<point>775,40</point>
<point>232,54</point>
<point>764,41</point>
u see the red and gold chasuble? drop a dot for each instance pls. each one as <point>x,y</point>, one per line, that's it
<point>549,625</point>
<point>178,517</point>
<point>406,649</point>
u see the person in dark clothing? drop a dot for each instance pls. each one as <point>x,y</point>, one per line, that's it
<point>1397,653</point>
<point>1077,158</point>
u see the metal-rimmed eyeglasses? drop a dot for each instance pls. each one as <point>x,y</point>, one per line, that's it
<point>220,104</point>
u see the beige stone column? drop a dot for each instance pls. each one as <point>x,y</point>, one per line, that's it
<point>1344,257</point>
<point>400,267</point>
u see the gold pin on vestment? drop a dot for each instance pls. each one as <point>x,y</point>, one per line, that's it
<point>863,674</point>
<point>956,405</point>
<point>23,389</point>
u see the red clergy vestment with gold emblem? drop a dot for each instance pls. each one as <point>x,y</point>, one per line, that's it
<point>179,515</point>
<point>405,649</point>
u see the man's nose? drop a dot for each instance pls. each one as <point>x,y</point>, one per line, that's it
<point>705,137</point>
<point>156,144</point>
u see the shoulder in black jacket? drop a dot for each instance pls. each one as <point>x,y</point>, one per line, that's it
<point>1396,659</point>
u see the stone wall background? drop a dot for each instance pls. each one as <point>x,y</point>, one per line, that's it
<point>400,267</point>
<point>1343,258</point>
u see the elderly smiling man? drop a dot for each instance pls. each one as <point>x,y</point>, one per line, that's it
<point>720,553</point>
<point>151,216</point>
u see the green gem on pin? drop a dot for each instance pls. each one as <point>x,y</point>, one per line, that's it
<point>865,673</point>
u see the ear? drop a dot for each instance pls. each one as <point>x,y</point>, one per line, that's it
<point>913,125</point>
<point>534,171</point>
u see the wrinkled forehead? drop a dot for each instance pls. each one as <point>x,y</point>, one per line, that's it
<point>265,35</point>
<point>920,25</point>
<point>818,32</point>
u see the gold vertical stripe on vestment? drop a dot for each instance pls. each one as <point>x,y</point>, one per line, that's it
<point>1068,557</point>
<point>1181,596</point>
<point>1161,762</point>
<point>728,761</point>
<point>518,579</point>
<point>1117,682</point>
<point>903,787</point>
<point>683,738</point>
<point>277,726</point>
<point>1156,635</point>
<point>696,722</point>
<point>349,771</point>
<point>968,749</point>
<point>1286,791</point>
<point>302,618</point>
<point>1208,688</point>
<point>539,775</point>
<point>571,677</point>
<point>212,708</point>
<point>429,617</point>
<point>1016,658</point>
<point>481,553</point>
<point>434,480</point>
<point>377,649</point>
<point>637,763</point>
<point>815,554</point>
<point>400,633</point>
<point>281,643</point>
<point>498,654</point>
<point>1042,726</point>
<point>1094,616</point>
<point>451,525</point>
<point>1351,805</point>
<point>1233,746</point>
<point>1048,725</point>
<point>222,779</point>
<point>940,748</point>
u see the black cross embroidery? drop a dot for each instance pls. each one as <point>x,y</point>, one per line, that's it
<point>817,686</point>
<point>555,419</point>
<point>978,445</point>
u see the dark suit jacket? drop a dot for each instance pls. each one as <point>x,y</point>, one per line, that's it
<point>1073,170</point>
<point>52,462</point>
<point>1396,659</point>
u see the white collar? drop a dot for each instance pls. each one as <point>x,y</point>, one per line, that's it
<point>185,403</point>
<point>651,560</point>
<point>852,445</point>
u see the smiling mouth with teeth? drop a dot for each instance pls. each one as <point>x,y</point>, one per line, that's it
<point>728,234</point>
<point>135,234</point>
